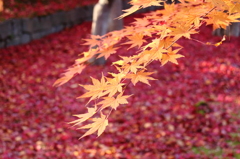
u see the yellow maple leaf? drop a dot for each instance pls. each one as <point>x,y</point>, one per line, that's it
<point>140,76</point>
<point>162,30</point>
<point>99,124</point>
<point>95,90</point>
<point>84,117</point>
<point>113,86</point>
<point>118,76</point>
<point>134,66</point>
<point>113,102</point>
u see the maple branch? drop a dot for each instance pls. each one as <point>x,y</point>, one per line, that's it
<point>109,113</point>
<point>191,27</point>
<point>110,93</point>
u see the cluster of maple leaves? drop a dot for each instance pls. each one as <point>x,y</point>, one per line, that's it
<point>156,36</point>
<point>16,9</point>
<point>194,105</point>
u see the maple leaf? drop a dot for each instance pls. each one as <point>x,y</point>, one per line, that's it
<point>135,40</point>
<point>118,76</point>
<point>130,11</point>
<point>119,62</point>
<point>114,102</point>
<point>235,8</point>
<point>171,56</point>
<point>84,117</point>
<point>110,40</point>
<point>116,35</point>
<point>192,17</point>
<point>87,56</point>
<point>94,41</point>
<point>95,90</point>
<point>218,43</point>
<point>218,19</point>
<point>107,52</point>
<point>146,3</point>
<point>124,60</point>
<point>154,44</point>
<point>168,42</point>
<point>169,9</point>
<point>140,76</point>
<point>133,66</point>
<point>99,124</point>
<point>113,86</point>
<point>163,30</point>
<point>144,57</point>
<point>218,3</point>
<point>69,74</point>
<point>144,30</point>
<point>157,53</point>
<point>182,31</point>
<point>141,22</point>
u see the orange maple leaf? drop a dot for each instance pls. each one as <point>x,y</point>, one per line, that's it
<point>235,8</point>
<point>141,22</point>
<point>218,3</point>
<point>69,74</point>
<point>218,19</point>
<point>130,11</point>
<point>157,53</point>
<point>171,56</point>
<point>146,3</point>
<point>140,76</point>
<point>106,52</point>
<point>94,41</point>
<point>182,31</point>
<point>135,40</point>
<point>86,56</point>
<point>1,6</point>
<point>218,43</point>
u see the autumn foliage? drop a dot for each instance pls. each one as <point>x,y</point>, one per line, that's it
<point>156,36</point>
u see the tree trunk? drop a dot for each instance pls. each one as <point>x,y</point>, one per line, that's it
<point>232,30</point>
<point>104,14</point>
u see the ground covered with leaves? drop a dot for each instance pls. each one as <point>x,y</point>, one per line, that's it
<point>190,111</point>
<point>33,8</point>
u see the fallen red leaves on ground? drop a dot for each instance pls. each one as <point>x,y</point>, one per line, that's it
<point>191,111</point>
<point>16,9</point>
